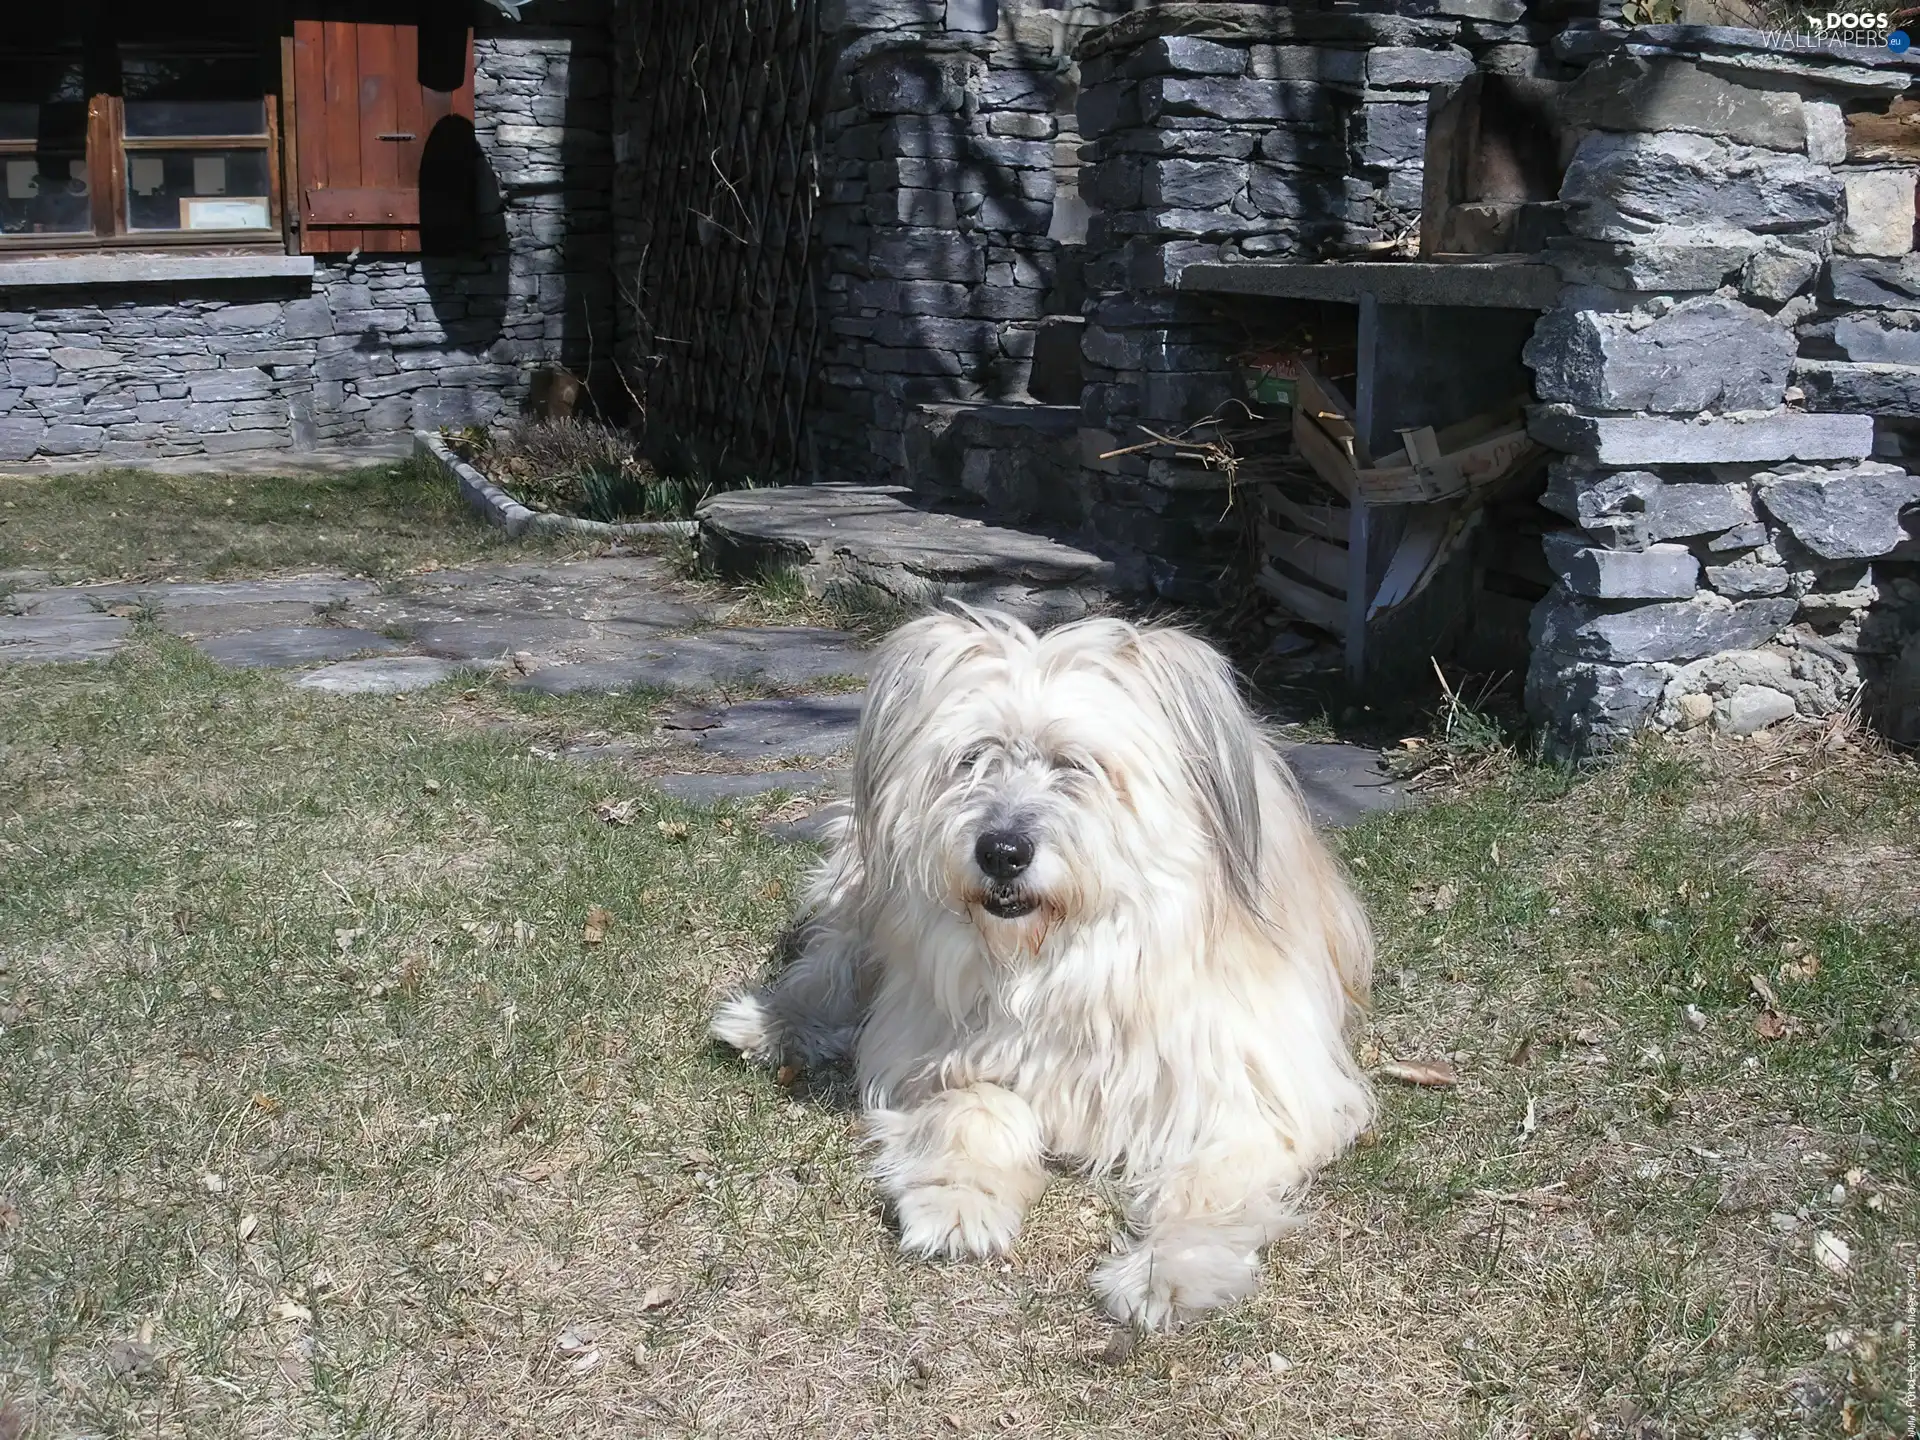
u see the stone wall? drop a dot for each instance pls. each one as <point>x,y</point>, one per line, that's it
<point>372,347</point>
<point>949,212</point>
<point>1725,362</point>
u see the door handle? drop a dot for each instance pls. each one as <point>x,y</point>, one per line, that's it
<point>400,135</point>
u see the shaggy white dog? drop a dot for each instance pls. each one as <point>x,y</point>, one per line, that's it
<point>1078,913</point>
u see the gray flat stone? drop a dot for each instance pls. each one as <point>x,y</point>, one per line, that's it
<point>1630,440</point>
<point>1502,285</point>
<point>194,621</point>
<point>774,655</point>
<point>814,725</point>
<point>712,789</point>
<point>392,675</point>
<point>870,534</point>
<point>550,639</point>
<point>311,590</point>
<point>1343,784</point>
<point>288,646</point>
<point>44,639</point>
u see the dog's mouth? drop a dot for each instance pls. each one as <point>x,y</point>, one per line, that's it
<point>1005,902</point>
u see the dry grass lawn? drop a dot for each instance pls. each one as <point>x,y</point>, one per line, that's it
<point>330,1106</point>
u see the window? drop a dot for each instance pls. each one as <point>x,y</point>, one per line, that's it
<point>198,142</point>
<point>233,123</point>
<point>116,138</point>
<point>43,146</point>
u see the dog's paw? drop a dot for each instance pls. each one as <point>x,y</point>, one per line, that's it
<point>747,1024</point>
<point>1157,1287</point>
<point>955,1222</point>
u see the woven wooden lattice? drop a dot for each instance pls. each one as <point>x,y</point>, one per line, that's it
<point>720,298</point>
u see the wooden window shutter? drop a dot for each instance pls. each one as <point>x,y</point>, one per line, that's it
<point>362,119</point>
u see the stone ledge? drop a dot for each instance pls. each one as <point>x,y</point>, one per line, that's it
<point>1764,439</point>
<point>113,267</point>
<point>510,515</point>
<point>1490,285</point>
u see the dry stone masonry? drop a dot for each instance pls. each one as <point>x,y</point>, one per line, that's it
<point>1726,376</point>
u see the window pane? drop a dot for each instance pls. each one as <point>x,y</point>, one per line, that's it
<point>197,190</point>
<point>193,94</point>
<point>43,98</point>
<point>44,194</point>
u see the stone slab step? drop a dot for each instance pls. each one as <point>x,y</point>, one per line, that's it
<point>872,535</point>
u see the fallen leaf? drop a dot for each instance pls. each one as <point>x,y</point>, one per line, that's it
<point>1435,1073</point>
<point>287,1308</point>
<point>265,1104</point>
<point>1832,1252</point>
<point>1765,991</point>
<point>9,1216</point>
<point>616,812</point>
<point>1801,970</point>
<point>658,1297</point>
<point>1770,1025</point>
<point>343,937</point>
<point>1530,1122</point>
<point>431,787</point>
<point>1443,899</point>
<point>1696,1018</point>
<point>13,1420</point>
<point>674,830</point>
<point>787,1075</point>
<point>1278,1363</point>
<point>248,1224</point>
<point>1493,852</point>
<point>536,1171</point>
<point>213,1183</point>
<point>599,921</point>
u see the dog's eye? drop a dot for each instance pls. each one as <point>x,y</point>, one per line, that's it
<point>1078,764</point>
<point>971,757</point>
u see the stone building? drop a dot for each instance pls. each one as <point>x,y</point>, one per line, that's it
<point>175,274</point>
<point>986,249</point>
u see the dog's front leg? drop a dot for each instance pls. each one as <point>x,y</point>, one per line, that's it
<point>962,1168</point>
<point>1200,1232</point>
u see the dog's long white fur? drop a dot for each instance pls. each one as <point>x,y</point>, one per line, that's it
<point>1173,1011</point>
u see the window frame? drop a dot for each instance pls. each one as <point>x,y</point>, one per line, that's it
<point>107,149</point>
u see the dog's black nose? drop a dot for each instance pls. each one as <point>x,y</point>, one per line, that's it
<point>1003,854</point>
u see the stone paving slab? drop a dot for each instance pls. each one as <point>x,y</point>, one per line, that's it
<point>52,639</point>
<point>1343,784</point>
<point>713,789</point>
<point>810,725</point>
<point>774,655</point>
<point>192,622</point>
<point>302,590</point>
<point>285,647</point>
<point>388,675</point>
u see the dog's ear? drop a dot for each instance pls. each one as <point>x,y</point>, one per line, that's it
<point>1218,742</point>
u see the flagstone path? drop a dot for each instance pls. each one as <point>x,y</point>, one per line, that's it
<point>591,626</point>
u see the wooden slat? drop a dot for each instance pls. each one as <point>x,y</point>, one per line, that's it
<point>340,112</point>
<point>286,161</point>
<point>1311,605</point>
<point>1316,559</point>
<point>380,115</point>
<point>1455,474</point>
<point>1328,458</point>
<point>1329,522</point>
<point>362,206</point>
